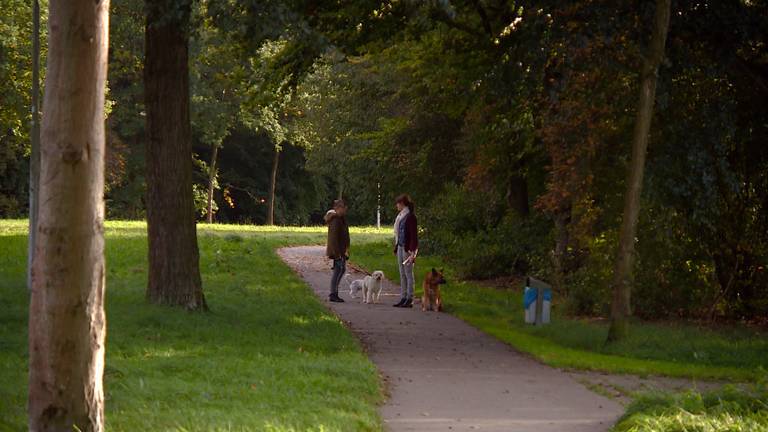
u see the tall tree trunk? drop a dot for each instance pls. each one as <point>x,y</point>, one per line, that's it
<point>517,195</point>
<point>726,269</point>
<point>174,272</point>
<point>562,238</point>
<point>34,158</point>
<point>211,182</point>
<point>272,187</point>
<point>66,312</point>
<point>622,272</point>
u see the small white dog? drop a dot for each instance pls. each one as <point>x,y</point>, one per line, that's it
<point>372,287</point>
<point>355,287</point>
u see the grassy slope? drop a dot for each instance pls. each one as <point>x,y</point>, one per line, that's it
<point>268,356</point>
<point>672,350</point>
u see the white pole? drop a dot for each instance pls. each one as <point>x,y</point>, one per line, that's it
<point>378,205</point>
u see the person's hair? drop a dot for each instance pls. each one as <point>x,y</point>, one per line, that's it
<point>339,203</point>
<point>405,200</point>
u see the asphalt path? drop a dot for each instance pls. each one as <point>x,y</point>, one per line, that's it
<point>441,374</point>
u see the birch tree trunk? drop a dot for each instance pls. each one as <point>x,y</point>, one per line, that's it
<point>66,312</point>
<point>622,272</point>
<point>174,270</point>
<point>211,182</point>
<point>272,188</point>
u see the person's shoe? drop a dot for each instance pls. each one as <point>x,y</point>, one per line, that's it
<point>335,298</point>
<point>408,303</point>
<point>400,303</point>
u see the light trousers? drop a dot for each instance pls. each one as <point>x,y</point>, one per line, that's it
<point>407,280</point>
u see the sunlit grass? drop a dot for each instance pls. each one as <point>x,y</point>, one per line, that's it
<point>679,350</point>
<point>127,228</point>
<point>728,410</point>
<point>268,356</point>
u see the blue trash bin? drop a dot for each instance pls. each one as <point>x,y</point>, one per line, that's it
<point>530,297</point>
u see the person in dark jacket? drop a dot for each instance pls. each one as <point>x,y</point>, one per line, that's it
<point>406,248</point>
<point>337,247</point>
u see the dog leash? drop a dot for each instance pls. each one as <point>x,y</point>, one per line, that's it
<point>358,269</point>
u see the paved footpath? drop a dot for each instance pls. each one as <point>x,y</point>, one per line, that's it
<point>444,375</point>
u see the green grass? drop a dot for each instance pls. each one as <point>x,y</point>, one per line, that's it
<point>267,357</point>
<point>678,350</point>
<point>727,410</point>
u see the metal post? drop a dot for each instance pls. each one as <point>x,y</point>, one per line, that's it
<point>378,205</point>
<point>34,159</point>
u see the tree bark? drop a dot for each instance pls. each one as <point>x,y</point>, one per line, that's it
<point>725,271</point>
<point>517,195</point>
<point>66,311</point>
<point>562,238</point>
<point>174,272</point>
<point>622,272</point>
<point>211,182</point>
<point>272,187</point>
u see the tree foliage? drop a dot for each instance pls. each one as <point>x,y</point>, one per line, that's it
<point>15,114</point>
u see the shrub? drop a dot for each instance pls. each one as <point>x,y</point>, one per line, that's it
<point>482,241</point>
<point>588,288</point>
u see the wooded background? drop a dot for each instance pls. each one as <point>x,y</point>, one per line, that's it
<point>509,122</point>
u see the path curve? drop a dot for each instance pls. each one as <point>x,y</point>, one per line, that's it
<point>444,375</point>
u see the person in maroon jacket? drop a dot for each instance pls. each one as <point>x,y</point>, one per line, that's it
<point>337,247</point>
<point>406,248</point>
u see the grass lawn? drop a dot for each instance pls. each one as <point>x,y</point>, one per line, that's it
<point>267,357</point>
<point>727,410</point>
<point>679,350</point>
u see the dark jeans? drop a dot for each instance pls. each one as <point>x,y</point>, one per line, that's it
<point>339,269</point>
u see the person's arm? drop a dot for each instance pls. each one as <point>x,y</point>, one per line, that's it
<point>347,240</point>
<point>412,235</point>
<point>394,248</point>
<point>333,238</point>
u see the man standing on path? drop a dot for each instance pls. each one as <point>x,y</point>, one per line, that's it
<point>337,247</point>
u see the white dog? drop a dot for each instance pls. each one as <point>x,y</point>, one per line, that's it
<point>355,287</point>
<point>372,287</point>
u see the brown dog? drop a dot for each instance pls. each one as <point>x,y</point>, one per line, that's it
<point>431,299</point>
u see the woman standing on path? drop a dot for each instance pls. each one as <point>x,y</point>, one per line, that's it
<point>337,247</point>
<point>406,248</point>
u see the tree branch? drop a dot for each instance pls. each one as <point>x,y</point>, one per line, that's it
<point>450,22</point>
<point>483,17</point>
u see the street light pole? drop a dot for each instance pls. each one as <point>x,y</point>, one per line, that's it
<point>34,159</point>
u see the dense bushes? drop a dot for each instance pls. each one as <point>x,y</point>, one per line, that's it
<point>481,239</point>
<point>675,272</point>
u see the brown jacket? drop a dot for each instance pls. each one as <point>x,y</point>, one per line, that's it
<point>338,235</point>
